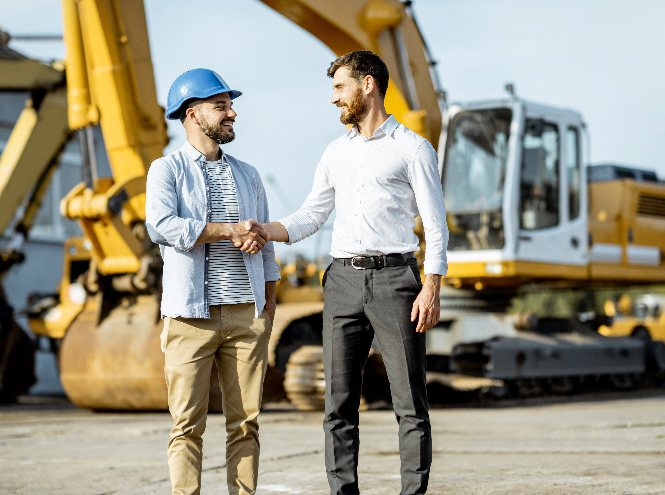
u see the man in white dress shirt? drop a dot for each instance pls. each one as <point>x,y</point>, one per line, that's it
<point>379,176</point>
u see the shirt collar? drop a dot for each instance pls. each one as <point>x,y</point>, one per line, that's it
<point>387,128</point>
<point>195,154</point>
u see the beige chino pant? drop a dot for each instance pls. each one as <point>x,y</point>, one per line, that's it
<point>238,342</point>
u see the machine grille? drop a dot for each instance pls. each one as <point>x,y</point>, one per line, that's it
<point>651,205</point>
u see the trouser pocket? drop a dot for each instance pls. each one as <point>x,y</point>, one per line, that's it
<point>412,265</point>
<point>165,333</point>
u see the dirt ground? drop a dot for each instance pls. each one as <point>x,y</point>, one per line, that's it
<point>611,443</point>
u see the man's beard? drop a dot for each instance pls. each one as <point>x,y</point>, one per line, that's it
<point>217,133</point>
<point>355,110</point>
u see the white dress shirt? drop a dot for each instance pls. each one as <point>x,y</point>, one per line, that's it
<point>378,185</point>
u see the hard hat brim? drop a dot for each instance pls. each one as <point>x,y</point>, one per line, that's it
<point>173,113</point>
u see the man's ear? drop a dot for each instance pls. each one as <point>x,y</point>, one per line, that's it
<point>191,113</point>
<point>368,84</point>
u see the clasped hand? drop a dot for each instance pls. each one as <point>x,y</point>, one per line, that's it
<point>249,236</point>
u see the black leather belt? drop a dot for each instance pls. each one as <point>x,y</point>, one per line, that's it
<point>368,262</point>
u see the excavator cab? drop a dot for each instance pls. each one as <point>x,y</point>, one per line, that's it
<point>515,193</point>
<point>523,210</point>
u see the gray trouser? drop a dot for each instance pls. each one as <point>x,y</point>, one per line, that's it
<point>359,304</point>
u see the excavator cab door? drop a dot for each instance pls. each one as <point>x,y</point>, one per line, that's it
<point>552,203</point>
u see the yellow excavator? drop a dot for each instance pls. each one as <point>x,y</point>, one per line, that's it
<point>26,166</point>
<point>525,211</point>
<point>107,312</point>
<point>520,210</point>
<point>642,316</point>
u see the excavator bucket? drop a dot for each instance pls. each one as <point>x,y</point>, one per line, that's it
<point>115,363</point>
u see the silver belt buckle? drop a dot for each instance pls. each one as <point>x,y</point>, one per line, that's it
<point>353,263</point>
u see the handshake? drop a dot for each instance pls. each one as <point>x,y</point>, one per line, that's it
<point>250,236</point>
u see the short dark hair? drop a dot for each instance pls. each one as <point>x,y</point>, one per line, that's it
<point>183,108</point>
<point>361,64</point>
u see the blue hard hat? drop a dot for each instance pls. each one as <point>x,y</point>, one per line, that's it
<point>195,84</point>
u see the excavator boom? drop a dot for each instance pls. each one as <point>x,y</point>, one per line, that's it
<point>388,28</point>
<point>27,163</point>
<point>111,82</point>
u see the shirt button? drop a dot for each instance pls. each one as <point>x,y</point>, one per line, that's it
<point>356,214</point>
<point>206,258</point>
<point>206,282</point>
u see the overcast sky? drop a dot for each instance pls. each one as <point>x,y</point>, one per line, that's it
<point>604,58</point>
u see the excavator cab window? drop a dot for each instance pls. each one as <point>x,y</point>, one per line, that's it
<point>539,181</point>
<point>473,178</point>
<point>573,172</point>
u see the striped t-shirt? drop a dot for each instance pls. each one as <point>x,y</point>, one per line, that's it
<point>228,282</point>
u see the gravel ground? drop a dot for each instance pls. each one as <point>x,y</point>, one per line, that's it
<point>594,444</point>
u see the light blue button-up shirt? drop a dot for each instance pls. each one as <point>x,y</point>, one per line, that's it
<point>378,185</point>
<point>178,206</point>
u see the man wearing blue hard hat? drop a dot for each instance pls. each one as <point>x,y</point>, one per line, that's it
<point>219,280</point>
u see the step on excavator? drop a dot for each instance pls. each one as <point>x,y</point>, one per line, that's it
<point>520,210</point>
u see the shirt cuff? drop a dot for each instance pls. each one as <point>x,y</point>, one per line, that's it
<point>271,272</point>
<point>436,267</point>
<point>292,229</point>
<point>191,232</point>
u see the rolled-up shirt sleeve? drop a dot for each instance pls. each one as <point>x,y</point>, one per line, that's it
<point>164,225</point>
<point>315,210</point>
<point>426,184</point>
